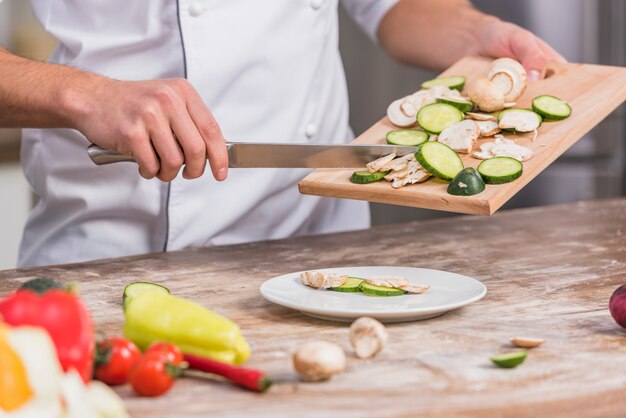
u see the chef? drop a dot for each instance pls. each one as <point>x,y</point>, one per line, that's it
<point>166,81</point>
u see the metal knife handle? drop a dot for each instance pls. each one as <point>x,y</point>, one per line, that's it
<point>101,156</point>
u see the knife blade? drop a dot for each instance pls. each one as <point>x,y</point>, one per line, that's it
<point>282,155</point>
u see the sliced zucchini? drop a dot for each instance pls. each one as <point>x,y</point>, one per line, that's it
<point>510,360</point>
<point>436,117</point>
<point>500,170</point>
<point>462,105</point>
<point>353,284</point>
<point>370,289</point>
<point>409,137</point>
<point>364,177</point>
<point>133,289</point>
<point>453,82</point>
<point>439,160</point>
<point>467,183</point>
<point>551,108</point>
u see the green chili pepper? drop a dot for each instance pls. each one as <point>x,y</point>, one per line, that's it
<point>155,316</point>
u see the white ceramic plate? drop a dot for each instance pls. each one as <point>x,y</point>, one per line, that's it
<point>448,291</point>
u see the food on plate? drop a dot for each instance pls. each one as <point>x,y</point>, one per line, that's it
<point>551,108</point>
<point>153,375</point>
<point>373,290</point>
<point>385,281</point>
<point>461,104</point>
<point>452,82</point>
<point>415,288</point>
<point>33,384</point>
<point>319,360</point>
<point>153,315</point>
<point>252,379</point>
<point>436,117</point>
<point>368,337</point>
<point>617,305</point>
<point>135,288</point>
<point>409,137</point>
<point>62,314</point>
<point>320,280</point>
<point>350,286</point>
<point>526,342</point>
<point>519,120</point>
<point>467,183</point>
<point>115,357</point>
<point>500,170</point>
<point>509,360</point>
<point>439,160</point>
<point>461,136</point>
<point>503,147</point>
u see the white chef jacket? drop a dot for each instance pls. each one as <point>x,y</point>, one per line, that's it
<point>269,70</point>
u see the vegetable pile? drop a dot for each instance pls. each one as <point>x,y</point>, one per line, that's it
<point>443,123</point>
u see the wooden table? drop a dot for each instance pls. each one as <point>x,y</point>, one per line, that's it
<point>549,272</point>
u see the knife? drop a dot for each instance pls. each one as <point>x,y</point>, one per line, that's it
<point>276,155</point>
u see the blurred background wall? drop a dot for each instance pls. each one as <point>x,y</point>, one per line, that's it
<point>583,31</point>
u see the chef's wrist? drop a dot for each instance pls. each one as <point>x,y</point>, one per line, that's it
<point>77,97</point>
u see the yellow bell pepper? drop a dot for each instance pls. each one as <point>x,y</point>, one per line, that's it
<point>155,316</point>
<point>15,390</point>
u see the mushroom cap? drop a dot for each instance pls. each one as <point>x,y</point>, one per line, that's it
<point>509,76</point>
<point>319,360</point>
<point>486,95</point>
<point>402,113</point>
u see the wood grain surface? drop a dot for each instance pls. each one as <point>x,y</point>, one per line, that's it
<point>549,273</point>
<point>592,91</point>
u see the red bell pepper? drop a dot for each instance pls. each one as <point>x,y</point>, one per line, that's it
<point>65,318</point>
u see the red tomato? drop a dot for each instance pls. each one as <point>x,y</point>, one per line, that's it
<point>117,356</point>
<point>152,375</point>
<point>171,352</point>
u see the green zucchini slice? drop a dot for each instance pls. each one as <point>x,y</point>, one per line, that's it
<point>551,108</point>
<point>467,183</point>
<point>353,284</point>
<point>370,289</point>
<point>462,105</point>
<point>133,289</point>
<point>436,117</point>
<point>409,137</point>
<point>500,170</point>
<point>439,160</point>
<point>364,177</point>
<point>453,82</point>
<point>510,360</point>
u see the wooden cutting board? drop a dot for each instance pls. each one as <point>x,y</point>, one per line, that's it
<point>593,92</point>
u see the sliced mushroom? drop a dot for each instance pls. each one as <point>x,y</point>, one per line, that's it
<point>398,163</point>
<point>321,280</point>
<point>409,168</point>
<point>386,281</point>
<point>400,115</point>
<point>415,288</point>
<point>486,95</point>
<point>503,148</point>
<point>481,116</point>
<point>461,136</point>
<point>526,342</point>
<point>488,127</point>
<point>509,76</point>
<point>376,165</point>
<point>521,120</point>
<point>417,177</point>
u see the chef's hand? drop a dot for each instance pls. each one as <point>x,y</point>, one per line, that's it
<point>503,39</point>
<point>163,124</point>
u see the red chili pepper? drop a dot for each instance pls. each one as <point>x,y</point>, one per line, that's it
<point>247,378</point>
<point>65,318</point>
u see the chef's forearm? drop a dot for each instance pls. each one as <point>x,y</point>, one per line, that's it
<point>40,95</point>
<point>432,33</point>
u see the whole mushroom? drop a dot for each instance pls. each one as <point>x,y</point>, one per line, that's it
<point>367,336</point>
<point>319,360</point>
<point>486,95</point>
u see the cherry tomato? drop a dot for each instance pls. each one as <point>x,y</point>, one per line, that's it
<point>152,375</point>
<point>116,357</point>
<point>171,351</point>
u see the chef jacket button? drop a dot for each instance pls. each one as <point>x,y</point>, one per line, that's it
<point>316,4</point>
<point>310,130</point>
<point>196,9</point>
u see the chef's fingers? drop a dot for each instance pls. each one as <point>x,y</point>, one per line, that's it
<point>550,52</point>
<point>167,148</point>
<point>190,140</point>
<point>211,134</point>
<point>526,49</point>
<point>146,158</point>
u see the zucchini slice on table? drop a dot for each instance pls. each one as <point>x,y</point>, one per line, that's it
<point>467,183</point>
<point>364,177</point>
<point>462,105</point>
<point>551,108</point>
<point>370,289</point>
<point>410,137</point>
<point>436,117</point>
<point>353,284</point>
<point>439,160</point>
<point>133,289</point>
<point>500,170</point>
<point>453,82</point>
